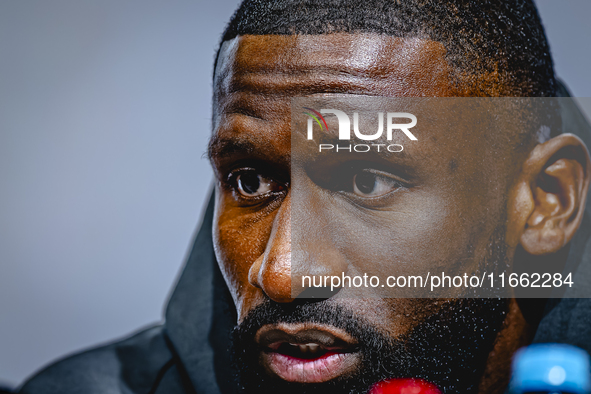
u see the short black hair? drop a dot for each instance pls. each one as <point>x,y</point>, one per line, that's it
<point>504,39</point>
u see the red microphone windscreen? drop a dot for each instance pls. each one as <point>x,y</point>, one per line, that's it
<point>404,386</point>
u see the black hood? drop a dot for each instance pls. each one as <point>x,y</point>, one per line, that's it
<point>200,314</point>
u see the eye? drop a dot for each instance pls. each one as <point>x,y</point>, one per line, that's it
<point>251,184</point>
<point>368,183</point>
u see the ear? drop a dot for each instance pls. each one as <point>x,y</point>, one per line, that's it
<point>549,200</point>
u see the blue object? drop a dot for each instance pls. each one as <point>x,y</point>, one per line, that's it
<point>551,368</point>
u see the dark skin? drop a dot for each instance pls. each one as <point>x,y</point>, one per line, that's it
<point>255,80</point>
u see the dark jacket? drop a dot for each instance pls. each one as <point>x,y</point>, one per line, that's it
<point>188,353</point>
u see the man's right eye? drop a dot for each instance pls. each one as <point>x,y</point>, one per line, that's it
<point>251,184</point>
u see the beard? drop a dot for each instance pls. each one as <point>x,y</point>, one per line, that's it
<point>448,349</point>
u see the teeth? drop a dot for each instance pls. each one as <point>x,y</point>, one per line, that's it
<point>307,348</point>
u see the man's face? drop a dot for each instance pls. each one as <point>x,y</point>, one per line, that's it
<point>448,207</point>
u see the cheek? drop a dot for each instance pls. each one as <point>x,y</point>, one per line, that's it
<point>239,238</point>
<point>422,233</point>
<point>426,232</point>
<point>395,317</point>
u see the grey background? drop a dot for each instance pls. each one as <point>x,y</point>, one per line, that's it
<point>104,119</point>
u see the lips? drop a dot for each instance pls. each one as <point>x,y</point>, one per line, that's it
<point>307,352</point>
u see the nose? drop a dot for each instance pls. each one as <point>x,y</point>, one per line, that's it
<point>271,272</point>
<point>278,272</point>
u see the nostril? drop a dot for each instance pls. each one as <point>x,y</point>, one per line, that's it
<point>254,273</point>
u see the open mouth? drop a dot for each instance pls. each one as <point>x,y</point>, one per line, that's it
<point>306,352</point>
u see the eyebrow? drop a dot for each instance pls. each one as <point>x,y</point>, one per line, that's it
<point>219,148</point>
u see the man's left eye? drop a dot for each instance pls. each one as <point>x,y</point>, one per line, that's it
<point>370,184</point>
<point>251,184</point>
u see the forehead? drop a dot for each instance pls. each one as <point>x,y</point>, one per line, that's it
<point>369,64</point>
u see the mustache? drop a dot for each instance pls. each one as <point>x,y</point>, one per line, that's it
<point>327,312</point>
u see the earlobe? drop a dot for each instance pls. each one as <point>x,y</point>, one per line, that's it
<point>557,175</point>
